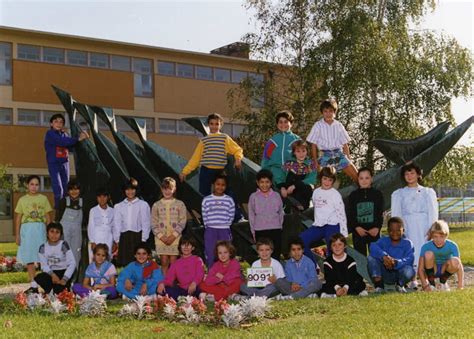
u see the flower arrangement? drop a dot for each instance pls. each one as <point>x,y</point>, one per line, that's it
<point>93,304</point>
<point>9,264</point>
<point>50,303</point>
<point>69,299</point>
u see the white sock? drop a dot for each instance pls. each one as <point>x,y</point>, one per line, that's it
<point>34,284</point>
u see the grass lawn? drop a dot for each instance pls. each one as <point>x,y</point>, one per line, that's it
<point>391,315</point>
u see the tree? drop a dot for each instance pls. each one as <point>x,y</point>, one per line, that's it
<point>390,81</point>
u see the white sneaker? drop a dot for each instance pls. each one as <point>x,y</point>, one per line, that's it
<point>313,296</point>
<point>379,290</point>
<point>413,285</point>
<point>364,293</point>
<point>239,297</point>
<point>401,289</point>
<point>285,297</point>
<point>202,296</point>
<point>210,298</point>
<point>325,295</point>
<point>444,287</point>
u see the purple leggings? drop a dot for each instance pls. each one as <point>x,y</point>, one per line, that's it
<point>81,291</point>
<point>176,291</point>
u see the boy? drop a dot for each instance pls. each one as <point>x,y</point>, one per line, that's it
<point>57,262</point>
<point>277,150</point>
<point>330,137</point>
<point>100,228</point>
<point>301,176</point>
<point>439,258</point>
<point>391,258</point>
<point>301,279</point>
<point>266,212</point>
<point>264,250</point>
<point>56,145</point>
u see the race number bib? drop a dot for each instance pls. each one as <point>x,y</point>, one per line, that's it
<point>258,276</point>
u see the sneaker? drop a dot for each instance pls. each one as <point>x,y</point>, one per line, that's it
<point>313,296</point>
<point>285,297</point>
<point>401,289</point>
<point>379,290</point>
<point>202,296</point>
<point>239,297</point>
<point>210,298</point>
<point>444,287</point>
<point>325,295</point>
<point>413,285</point>
<point>364,293</point>
<point>32,290</point>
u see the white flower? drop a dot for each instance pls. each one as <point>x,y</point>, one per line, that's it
<point>232,316</point>
<point>169,311</point>
<point>189,315</point>
<point>128,310</point>
<point>35,300</point>
<point>94,304</point>
<point>186,300</point>
<point>57,307</point>
<point>18,267</point>
<point>142,303</point>
<point>255,307</point>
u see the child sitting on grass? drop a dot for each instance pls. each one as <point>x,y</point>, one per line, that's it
<point>439,258</point>
<point>391,258</point>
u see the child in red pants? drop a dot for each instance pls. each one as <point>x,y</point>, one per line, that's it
<point>224,277</point>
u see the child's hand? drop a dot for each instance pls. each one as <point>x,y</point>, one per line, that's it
<point>17,239</point>
<point>219,276</point>
<point>83,136</point>
<point>128,285</point>
<point>272,279</point>
<point>291,189</point>
<point>171,239</point>
<point>295,287</point>
<point>182,177</point>
<point>62,282</point>
<point>283,192</point>
<point>114,247</point>
<point>55,278</point>
<point>93,245</point>
<point>192,288</point>
<point>374,231</point>
<point>161,288</point>
<point>238,164</point>
<point>388,262</point>
<point>143,289</point>
<point>360,231</point>
<point>341,292</point>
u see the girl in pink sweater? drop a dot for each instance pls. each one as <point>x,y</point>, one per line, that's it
<point>185,274</point>
<point>224,277</point>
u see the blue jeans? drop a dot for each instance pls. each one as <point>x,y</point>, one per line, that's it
<point>316,233</point>
<point>268,291</point>
<point>59,174</point>
<point>284,287</point>
<point>400,276</point>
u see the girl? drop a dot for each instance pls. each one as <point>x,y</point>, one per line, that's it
<point>70,216</point>
<point>131,223</point>
<point>100,229</point>
<point>224,277</point>
<point>185,275</point>
<point>439,258</point>
<point>365,212</point>
<point>168,219</point>
<point>141,276</point>
<point>329,213</point>
<point>32,213</point>
<point>417,206</point>
<point>100,275</point>
<point>340,272</point>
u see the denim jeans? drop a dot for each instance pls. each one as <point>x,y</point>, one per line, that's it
<point>268,291</point>
<point>400,276</point>
<point>284,286</point>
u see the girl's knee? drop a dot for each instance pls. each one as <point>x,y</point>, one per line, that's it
<point>453,264</point>
<point>429,255</point>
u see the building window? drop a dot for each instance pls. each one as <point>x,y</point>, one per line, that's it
<point>6,116</point>
<point>76,58</point>
<point>204,73</point>
<point>221,75</point>
<point>122,126</point>
<point>53,55</point>
<point>29,52</point>
<point>99,60</point>
<point>238,76</point>
<point>120,63</point>
<point>184,128</point>
<point>167,126</point>
<point>185,71</point>
<point>143,82</point>
<point>29,117</point>
<point>150,124</point>
<point>5,63</point>
<point>166,68</point>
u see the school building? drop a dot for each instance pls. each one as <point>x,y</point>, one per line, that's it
<point>160,84</point>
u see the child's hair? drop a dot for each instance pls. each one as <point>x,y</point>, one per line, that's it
<point>221,175</point>
<point>365,169</point>
<point>130,184</point>
<point>57,116</point>
<point>186,240</point>
<point>411,166</point>
<point>439,226</point>
<point>102,191</point>
<point>395,220</point>
<point>284,114</point>
<point>337,236</point>
<point>264,174</point>
<point>298,144</point>
<point>55,226</point>
<point>264,241</point>
<point>295,241</point>
<point>102,247</point>
<point>168,182</point>
<point>328,103</point>
<point>73,184</point>
<point>142,246</point>
<point>328,172</point>
<point>31,177</point>
<point>215,116</point>
<point>227,244</point>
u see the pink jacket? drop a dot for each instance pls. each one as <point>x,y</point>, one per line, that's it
<point>185,271</point>
<point>231,272</point>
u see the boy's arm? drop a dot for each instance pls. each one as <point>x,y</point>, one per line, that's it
<point>193,163</point>
<point>267,153</point>
<point>345,150</point>
<point>233,148</point>
<point>310,178</point>
<point>125,274</point>
<point>314,155</point>
<point>71,264</point>
<point>61,140</point>
<point>407,259</point>
<point>155,278</point>
<point>376,251</point>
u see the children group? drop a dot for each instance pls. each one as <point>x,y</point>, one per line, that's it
<point>416,244</point>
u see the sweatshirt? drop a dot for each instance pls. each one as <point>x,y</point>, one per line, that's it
<point>57,257</point>
<point>56,145</point>
<point>403,252</point>
<point>185,271</point>
<point>365,209</point>
<point>301,272</point>
<point>265,211</point>
<point>231,272</point>
<point>329,209</point>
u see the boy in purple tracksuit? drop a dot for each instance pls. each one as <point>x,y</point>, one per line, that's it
<point>56,145</point>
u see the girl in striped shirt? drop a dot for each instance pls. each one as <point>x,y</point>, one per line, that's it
<point>218,211</point>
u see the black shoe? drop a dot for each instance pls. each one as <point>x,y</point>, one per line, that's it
<point>32,290</point>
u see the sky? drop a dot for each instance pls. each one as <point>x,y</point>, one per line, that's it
<point>197,25</point>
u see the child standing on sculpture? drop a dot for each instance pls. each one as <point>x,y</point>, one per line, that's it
<point>330,137</point>
<point>168,219</point>
<point>70,216</point>
<point>57,144</point>
<point>32,214</point>
<point>278,150</point>
<point>365,212</point>
<point>218,211</point>
<point>266,212</point>
<point>301,176</point>
<point>417,206</point>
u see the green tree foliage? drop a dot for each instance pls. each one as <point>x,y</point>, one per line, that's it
<point>6,183</point>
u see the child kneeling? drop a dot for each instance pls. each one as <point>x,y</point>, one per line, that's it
<point>391,258</point>
<point>301,279</point>
<point>439,258</point>
<point>57,262</point>
<point>100,275</point>
<point>140,277</point>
